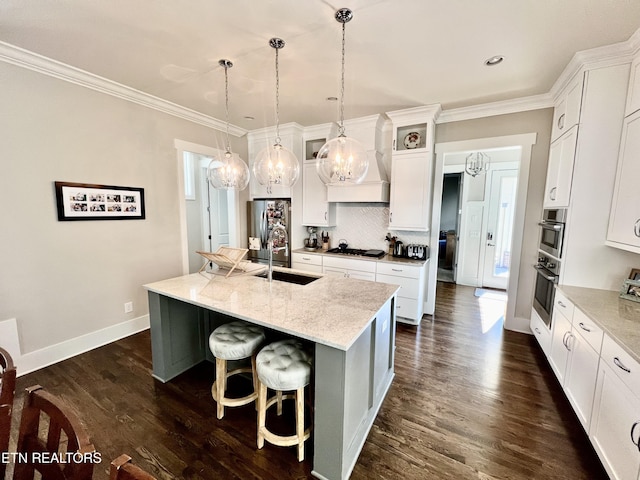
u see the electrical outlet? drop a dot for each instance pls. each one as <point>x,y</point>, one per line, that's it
<point>128,307</point>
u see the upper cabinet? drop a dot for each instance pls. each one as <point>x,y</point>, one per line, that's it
<point>633,94</point>
<point>291,138</point>
<point>316,209</point>
<point>624,220</point>
<point>411,168</point>
<point>566,112</point>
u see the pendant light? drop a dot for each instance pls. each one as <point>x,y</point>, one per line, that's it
<point>476,163</point>
<point>275,164</point>
<point>229,172</point>
<point>342,160</point>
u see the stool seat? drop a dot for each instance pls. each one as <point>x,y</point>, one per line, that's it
<point>284,365</point>
<point>236,340</point>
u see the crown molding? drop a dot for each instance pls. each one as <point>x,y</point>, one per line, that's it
<point>38,63</point>
<point>505,107</point>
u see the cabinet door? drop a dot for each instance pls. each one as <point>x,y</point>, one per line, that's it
<point>615,425</point>
<point>633,94</point>
<point>624,221</point>
<point>580,377</point>
<point>410,206</point>
<point>316,210</point>
<point>541,332</point>
<point>261,191</point>
<point>559,353</point>
<point>357,274</point>
<point>560,170</point>
<point>566,113</point>
<point>338,272</point>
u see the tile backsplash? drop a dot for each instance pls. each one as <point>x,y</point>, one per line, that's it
<point>365,225</point>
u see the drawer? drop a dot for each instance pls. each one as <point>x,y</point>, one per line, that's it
<point>624,365</point>
<point>306,267</point>
<point>399,270</point>
<point>563,304</point>
<point>307,259</point>
<point>349,263</point>
<point>587,328</point>
<point>540,331</point>
<point>408,286</point>
<point>407,308</point>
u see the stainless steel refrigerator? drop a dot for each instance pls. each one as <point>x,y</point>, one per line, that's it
<point>261,216</point>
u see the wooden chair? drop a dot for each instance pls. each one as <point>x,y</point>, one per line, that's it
<point>63,452</point>
<point>7,394</point>
<point>122,469</point>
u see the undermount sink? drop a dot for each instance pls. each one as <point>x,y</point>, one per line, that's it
<point>290,277</point>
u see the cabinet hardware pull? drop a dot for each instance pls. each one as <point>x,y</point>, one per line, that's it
<point>620,365</point>
<point>633,427</point>
<point>390,217</point>
<point>325,216</point>
<point>552,193</point>
<point>561,121</point>
<point>636,228</point>
<point>569,337</point>
<point>306,258</point>
<point>561,304</point>
<point>537,330</point>
<point>582,326</point>
<point>396,269</point>
<point>564,340</point>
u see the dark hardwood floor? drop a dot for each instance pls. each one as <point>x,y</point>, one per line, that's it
<point>469,401</point>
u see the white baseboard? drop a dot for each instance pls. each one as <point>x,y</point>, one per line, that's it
<point>44,357</point>
<point>520,325</point>
<point>9,335</point>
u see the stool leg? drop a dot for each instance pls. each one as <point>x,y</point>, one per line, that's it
<point>300,422</point>
<point>279,394</point>
<point>262,407</point>
<point>254,374</point>
<point>221,383</point>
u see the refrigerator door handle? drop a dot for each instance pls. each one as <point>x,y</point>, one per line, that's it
<point>263,228</point>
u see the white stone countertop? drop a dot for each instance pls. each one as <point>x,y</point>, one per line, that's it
<point>386,259</point>
<point>618,317</point>
<point>333,311</point>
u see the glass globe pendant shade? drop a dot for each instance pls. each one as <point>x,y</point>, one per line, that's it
<point>342,161</point>
<point>276,165</point>
<point>228,173</point>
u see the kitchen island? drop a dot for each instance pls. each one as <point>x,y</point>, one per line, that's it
<point>351,324</point>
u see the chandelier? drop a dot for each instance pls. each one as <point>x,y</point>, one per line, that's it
<point>476,163</point>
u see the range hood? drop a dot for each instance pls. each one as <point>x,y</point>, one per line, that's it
<point>374,188</point>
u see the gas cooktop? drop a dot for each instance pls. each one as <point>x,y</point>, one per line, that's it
<point>357,252</point>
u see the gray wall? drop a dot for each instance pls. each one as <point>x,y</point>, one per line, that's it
<point>538,121</point>
<point>61,280</point>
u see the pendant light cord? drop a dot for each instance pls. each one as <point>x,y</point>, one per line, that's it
<point>226,104</point>
<point>277,100</point>
<point>341,126</point>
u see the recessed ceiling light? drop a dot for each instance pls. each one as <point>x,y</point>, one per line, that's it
<point>332,99</point>
<point>495,60</point>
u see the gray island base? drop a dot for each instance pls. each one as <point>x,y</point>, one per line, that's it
<point>351,324</point>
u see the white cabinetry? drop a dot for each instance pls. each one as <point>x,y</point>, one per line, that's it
<point>316,209</point>
<point>348,267</point>
<point>307,262</point>
<point>411,168</point>
<point>633,95</point>
<point>566,113</point>
<point>574,355</point>
<point>411,279</point>
<point>560,170</point>
<point>624,220</point>
<point>615,424</point>
<point>540,331</point>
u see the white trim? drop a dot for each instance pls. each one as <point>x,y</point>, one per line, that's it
<point>525,142</point>
<point>44,357</point>
<point>38,63</point>
<point>10,338</point>
<point>505,107</point>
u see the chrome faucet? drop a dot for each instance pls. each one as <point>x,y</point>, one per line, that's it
<point>278,234</point>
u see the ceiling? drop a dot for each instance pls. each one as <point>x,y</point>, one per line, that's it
<point>399,53</point>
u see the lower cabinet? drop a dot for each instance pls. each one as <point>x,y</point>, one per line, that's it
<point>615,423</point>
<point>309,262</point>
<point>347,267</point>
<point>541,331</point>
<point>411,279</point>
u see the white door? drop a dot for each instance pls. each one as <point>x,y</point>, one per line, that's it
<point>501,210</point>
<point>218,218</point>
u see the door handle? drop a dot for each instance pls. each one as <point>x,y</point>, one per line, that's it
<point>636,443</point>
<point>552,193</point>
<point>561,121</point>
<point>620,365</point>
<point>636,228</point>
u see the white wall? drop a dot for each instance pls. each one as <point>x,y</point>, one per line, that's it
<point>62,280</point>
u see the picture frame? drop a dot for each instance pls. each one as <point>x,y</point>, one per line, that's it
<point>631,290</point>
<point>634,274</point>
<point>86,201</point>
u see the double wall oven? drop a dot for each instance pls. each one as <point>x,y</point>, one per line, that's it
<point>548,265</point>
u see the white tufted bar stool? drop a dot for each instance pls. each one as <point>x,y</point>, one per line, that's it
<point>283,366</point>
<point>234,341</point>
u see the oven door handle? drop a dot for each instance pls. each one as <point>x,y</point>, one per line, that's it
<point>551,226</point>
<point>546,276</point>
